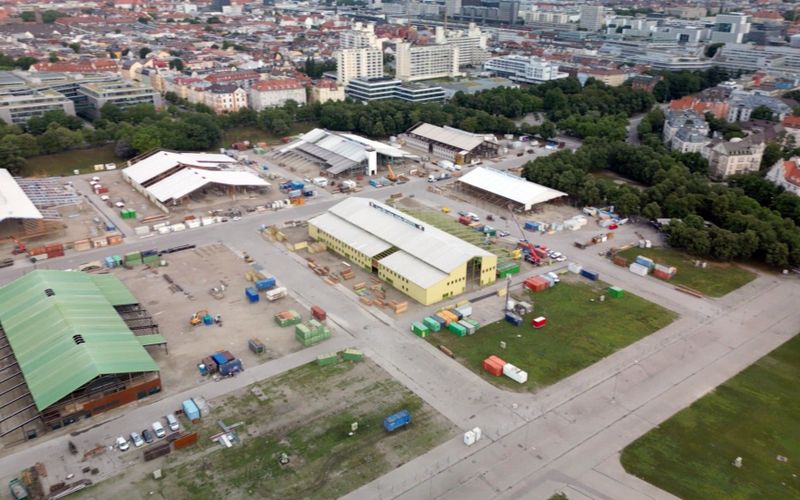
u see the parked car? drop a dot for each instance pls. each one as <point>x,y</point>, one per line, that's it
<point>503,234</point>
<point>136,439</point>
<point>462,212</point>
<point>159,430</point>
<point>172,422</point>
<point>148,436</point>
<point>122,444</point>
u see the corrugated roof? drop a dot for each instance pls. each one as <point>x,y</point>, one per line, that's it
<point>460,140</point>
<point>510,186</point>
<point>161,161</point>
<point>413,269</point>
<point>114,291</point>
<point>14,203</point>
<point>41,331</point>
<point>354,236</point>
<point>188,180</point>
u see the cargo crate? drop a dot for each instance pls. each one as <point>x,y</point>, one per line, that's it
<point>351,354</point>
<point>327,359</point>
<point>457,329</point>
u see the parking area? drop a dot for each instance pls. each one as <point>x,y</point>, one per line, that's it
<point>196,272</point>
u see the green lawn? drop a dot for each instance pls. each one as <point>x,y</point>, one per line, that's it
<point>579,332</point>
<point>254,134</point>
<point>65,163</point>
<point>753,415</point>
<point>715,280</point>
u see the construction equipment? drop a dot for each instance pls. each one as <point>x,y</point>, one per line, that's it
<point>391,175</point>
<point>19,247</point>
<point>527,247</point>
<point>197,317</point>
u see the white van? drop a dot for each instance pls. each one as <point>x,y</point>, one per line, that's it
<point>431,178</point>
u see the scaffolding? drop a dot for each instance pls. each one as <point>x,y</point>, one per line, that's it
<point>48,192</point>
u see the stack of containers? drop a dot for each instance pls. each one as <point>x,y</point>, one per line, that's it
<point>327,359</point>
<point>639,269</point>
<point>515,373</point>
<point>127,213</point>
<point>574,268</point>
<point>419,329</point>
<point>450,316</point>
<point>150,256</point>
<point>442,319</point>
<point>664,272</point>
<point>313,333</point>
<point>475,325</point>
<point>457,329</point>
<point>646,262</point>
<point>494,365</point>
<point>288,318</point>
<point>432,324</point>
<point>133,259</point>
<point>469,327</point>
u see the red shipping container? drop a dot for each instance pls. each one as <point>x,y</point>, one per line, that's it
<point>318,313</point>
<point>55,253</point>
<point>102,190</point>
<point>494,365</point>
<point>662,275</point>
<point>37,251</point>
<point>536,284</point>
<point>465,220</point>
<point>539,322</point>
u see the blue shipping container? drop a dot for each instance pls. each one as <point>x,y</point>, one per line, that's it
<point>251,294</point>
<point>399,419</point>
<point>191,410</point>
<point>265,284</point>
<point>296,185</point>
<point>219,359</point>
<point>589,274</point>
<point>230,367</point>
<point>110,262</point>
<point>513,319</point>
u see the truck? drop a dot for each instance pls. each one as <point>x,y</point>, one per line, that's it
<point>18,490</point>
<point>397,420</point>
<point>276,293</point>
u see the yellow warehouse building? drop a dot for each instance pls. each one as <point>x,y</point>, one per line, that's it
<point>425,263</point>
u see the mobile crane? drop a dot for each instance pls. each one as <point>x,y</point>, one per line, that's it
<point>531,253</point>
<point>19,247</point>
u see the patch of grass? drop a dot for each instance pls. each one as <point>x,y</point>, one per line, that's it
<point>254,134</point>
<point>753,416</point>
<point>65,163</point>
<point>716,280</point>
<point>578,333</point>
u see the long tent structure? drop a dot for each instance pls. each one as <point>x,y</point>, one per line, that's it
<point>14,203</point>
<point>504,188</point>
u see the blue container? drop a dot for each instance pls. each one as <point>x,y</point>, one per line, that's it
<point>644,261</point>
<point>208,320</point>
<point>110,227</point>
<point>191,410</point>
<point>590,274</point>
<point>514,319</point>
<point>251,294</point>
<point>265,284</point>
<point>296,185</point>
<point>531,226</point>
<point>400,419</point>
<point>219,358</point>
<point>230,367</point>
<point>374,183</point>
<point>308,193</point>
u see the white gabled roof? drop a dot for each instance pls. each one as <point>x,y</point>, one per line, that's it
<point>161,161</point>
<point>452,137</point>
<point>14,203</point>
<point>510,186</point>
<point>353,236</point>
<point>189,180</point>
<point>413,270</point>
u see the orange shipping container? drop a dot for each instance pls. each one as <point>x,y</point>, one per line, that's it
<point>446,320</point>
<point>37,251</point>
<point>185,440</point>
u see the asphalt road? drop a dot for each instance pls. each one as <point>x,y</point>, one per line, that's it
<point>566,436</point>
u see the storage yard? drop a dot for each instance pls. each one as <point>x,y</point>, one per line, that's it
<point>753,416</point>
<point>580,329</point>
<point>197,272</point>
<point>307,414</point>
<point>715,279</point>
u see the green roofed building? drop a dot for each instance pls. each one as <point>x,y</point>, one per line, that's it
<point>69,353</point>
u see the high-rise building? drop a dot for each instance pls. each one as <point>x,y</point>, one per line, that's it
<point>730,28</point>
<point>358,63</point>
<point>592,17</point>
<point>361,36</point>
<point>424,62</point>
<point>452,7</point>
<point>471,44</point>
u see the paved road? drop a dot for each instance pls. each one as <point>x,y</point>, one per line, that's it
<point>565,436</point>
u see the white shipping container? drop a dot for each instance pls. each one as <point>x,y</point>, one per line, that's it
<point>469,438</point>
<point>207,221</point>
<point>478,433</point>
<point>276,293</point>
<point>158,226</point>
<point>465,310</point>
<point>178,227</point>
<point>192,224</point>
<point>164,230</point>
<point>574,268</point>
<point>638,269</point>
<point>515,373</point>
<point>141,230</point>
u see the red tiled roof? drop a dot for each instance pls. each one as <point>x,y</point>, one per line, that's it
<point>791,172</point>
<point>791,121</point>
<point>232,76</point>
<point>269,85</point>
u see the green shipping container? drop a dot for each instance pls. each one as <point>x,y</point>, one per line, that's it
<point>457,329</point>
<point>419,329</point>
<point>472,322</point>
<point>432,324</point>
<point>616,291</point>
<point>327,359</point>
<point>507,269</point>
<point>351,354</point>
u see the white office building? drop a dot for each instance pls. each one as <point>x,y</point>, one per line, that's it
<point>592,17</point>
<point>21,105</point>
<point>358,63</point>
<point>471,44</point>
<point>524,69</point>
<point>730,28</point>
<point>424,62</point>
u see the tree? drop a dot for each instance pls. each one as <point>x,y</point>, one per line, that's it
<point>24,145</point>
<point>143,52</point>
<point>25,62</point>
<point>213,20</point>
<point>652,211</point>
<point>11,160</point>
<point>146,139</point>
<point>53,57</point>
<point>547,130</point>
<point>57,139</point>
<point>76,47</point>
<point>50,16</point>
<point>111,112</point>
<point>28,16</point>
<point>761,113</point>
<point>176,64</point>
<point>772,153</point>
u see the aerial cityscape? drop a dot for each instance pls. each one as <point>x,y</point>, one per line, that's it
<point>421,249</point>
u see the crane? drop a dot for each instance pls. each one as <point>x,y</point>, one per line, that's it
<point>530,251</point>
<point>19,247</point>
<point>391,176</point>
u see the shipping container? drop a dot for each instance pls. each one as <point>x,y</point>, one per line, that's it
<point>513,318</point>
<point>432,324</point>
<point>515,373</point>
<point>469,327</point>
<point>251,294</point>
<point>465,310</point>
<point>231,367</point>
<point>191,410</point>
<point>265,284</point>
<point>574,268</point>
<point>539,322</point>
<point>327,359</point>
<point>639,269</point>
<point>442,319</point>
<point>276,293</point>
<point>590,275</point>
<point>456,314</point>
<point>457,329</point>
<point>494,365</point>
<point>644,261</point>
<point>318,313</point>
<point>507,269</point>
<point>351,354</point>
<point>256,346</point>
<point>397,420</point>
<point>419,329</point>
<point>615,292</point>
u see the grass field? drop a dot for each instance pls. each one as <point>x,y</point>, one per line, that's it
<point>306,413</point>
<point>715,280</point>
<point>65,163</point>
<point>753,415</point>
<point>578,333</point>
<point>254,134</point>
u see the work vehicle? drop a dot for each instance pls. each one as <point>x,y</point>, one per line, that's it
<point>172,422</point>
<point>122,444</point>
<point>431,178</point>
<point>136,439</point>
<point>159,429</point>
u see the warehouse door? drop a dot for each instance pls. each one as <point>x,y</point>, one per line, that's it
<point>474,272</point>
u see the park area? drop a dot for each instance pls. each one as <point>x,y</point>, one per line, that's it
<point>716,280</point>
<point>305,413</point>
<point>753,416</point>
<point>580,331</point>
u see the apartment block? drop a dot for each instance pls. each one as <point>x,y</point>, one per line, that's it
<point>592,17</point>
<point>225,98</point>
<point>425,62</point>
<point>23,104</point>
<point>358,63</point>
<point>274,93</point>
<point>737,156</point>
<point>123,94</point>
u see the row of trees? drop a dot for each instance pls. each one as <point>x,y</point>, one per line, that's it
<point>677,84</point>
<point>717,221</point>
<point>9,63</point>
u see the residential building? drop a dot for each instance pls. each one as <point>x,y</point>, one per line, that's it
<point>524,69</point>
<point>695,128</point>
<point>378,89</point>
<point>361,36</point>
<point>791,125</point>
<point>425,62</point>
<point>274,93</point>
<point>778,61</point>
<point>123,94</point>
<point>592,17</point>
<point>742,103</point>
<point>21,105</point>
<point>786,174</point>
<point>240,78</point>
<point>546,17</point>
<point>326,90</point>
<point>471,44</point>
<point>737,156</point>
<point>358,63</point>
<point>730,28</point>
<point>225,98</point>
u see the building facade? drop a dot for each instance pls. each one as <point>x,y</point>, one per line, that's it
<point>592,17</point>
<point>358,63</point>
<point>786,174</point>
<point>19,107</point>
<point>225,98</point>
<point>122,94</point>
<point>326,90</point>
<point>274,93</point>
<point>737,156</point>
<point>524,69</point>
<point>425,62</point>
<point>379,89</point>
<point>730,28</point>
